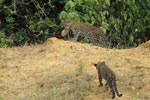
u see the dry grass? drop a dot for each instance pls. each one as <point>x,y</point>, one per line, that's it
<point>63,70</point>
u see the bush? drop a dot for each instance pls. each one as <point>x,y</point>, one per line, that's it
<point>29,21</point>
<point>127,22</point>
<point>121,20</point>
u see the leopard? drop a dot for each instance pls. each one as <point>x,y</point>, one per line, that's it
<point>104,72</point>
<point>80,30</point>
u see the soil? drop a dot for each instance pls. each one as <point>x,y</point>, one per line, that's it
<point>23,70</point>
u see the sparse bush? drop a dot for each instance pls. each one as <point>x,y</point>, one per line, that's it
<point>75,88</point>
<point>81,68</point>
<point>135,93</point>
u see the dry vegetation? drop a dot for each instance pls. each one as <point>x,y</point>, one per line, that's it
<point>63,70</point>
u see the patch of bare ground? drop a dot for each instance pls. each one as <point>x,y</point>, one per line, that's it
<point>63,70</point>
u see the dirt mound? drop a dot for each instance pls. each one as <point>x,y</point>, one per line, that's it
<point>145,45</point>
<point>63,70</point>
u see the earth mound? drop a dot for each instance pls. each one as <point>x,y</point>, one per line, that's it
<point>63,70</point>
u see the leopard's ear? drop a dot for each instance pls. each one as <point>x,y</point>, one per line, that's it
<point>95,65</point>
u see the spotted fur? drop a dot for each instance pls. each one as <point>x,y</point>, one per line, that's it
<point>81,30</point>
<point>106,73</point>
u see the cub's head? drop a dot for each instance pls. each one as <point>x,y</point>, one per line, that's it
<point>67,27</point>
<point>99,64</point>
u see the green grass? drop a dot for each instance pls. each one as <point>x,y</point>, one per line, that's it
<point>135,93</point>
<point>81,69</point>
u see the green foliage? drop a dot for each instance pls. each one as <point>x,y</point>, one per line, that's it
<point>4,42</point>
<point>126,22</point>
<point>85,40</point>
<point>122,21</point>
<point>28,21</point>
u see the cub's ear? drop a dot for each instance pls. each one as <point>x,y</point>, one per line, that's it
<point>95,65</point>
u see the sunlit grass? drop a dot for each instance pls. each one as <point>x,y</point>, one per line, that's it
<point>70,87</point>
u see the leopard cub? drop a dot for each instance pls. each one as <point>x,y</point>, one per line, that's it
<point>77,31</point>
<point>110,77</point>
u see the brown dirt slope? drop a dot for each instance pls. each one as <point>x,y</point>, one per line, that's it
<point>63,70</point>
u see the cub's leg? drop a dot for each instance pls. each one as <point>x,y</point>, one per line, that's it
<point>100,79</point>
<point>107,86</point>
<point>76,35</point>
<point>112,90</point>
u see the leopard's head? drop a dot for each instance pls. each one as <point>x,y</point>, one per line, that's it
<point>99,64</point>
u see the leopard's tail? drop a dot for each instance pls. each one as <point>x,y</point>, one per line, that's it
<point>116,90</point>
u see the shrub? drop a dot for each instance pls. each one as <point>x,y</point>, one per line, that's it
<point>29,21</point>
<point>122,21</point>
